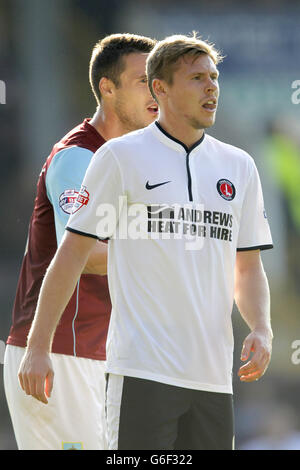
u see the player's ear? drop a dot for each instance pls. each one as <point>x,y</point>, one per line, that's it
<point>159,88</point>
<point>106,87</point>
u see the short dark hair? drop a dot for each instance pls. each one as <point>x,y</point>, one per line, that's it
<point>107,57</point>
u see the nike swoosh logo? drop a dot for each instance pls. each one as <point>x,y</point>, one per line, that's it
<point>152,186</point>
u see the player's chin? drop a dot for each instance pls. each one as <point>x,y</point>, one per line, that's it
<point>209,121</point>
<point>151,117</point>
<point>144,121</point>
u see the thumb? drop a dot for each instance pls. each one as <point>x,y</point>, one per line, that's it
<point>247,348</point>
<point>49,383</point>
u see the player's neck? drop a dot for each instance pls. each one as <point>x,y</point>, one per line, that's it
<point>107,124</point>
<point>180,130</point>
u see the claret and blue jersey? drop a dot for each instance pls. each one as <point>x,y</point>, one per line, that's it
<point>83,327</point>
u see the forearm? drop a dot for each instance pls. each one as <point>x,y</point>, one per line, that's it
<point>252,297</point>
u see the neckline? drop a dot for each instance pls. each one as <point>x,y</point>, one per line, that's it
<point>93,129</point>
<point>186,148</point>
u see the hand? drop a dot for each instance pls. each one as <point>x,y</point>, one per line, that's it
<point>260,343</point>
<point>36,374</point>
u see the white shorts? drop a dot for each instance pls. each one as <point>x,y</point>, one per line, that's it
<point>75,414</point>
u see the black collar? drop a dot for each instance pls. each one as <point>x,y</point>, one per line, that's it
<point>186,148</point>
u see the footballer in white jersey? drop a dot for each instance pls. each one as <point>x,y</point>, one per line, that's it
<point>172,284</point>
<point>185,219</point>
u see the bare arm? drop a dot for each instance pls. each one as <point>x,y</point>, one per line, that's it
<point>36,373</point>
<point>97,260</point>
<point>252,298</point>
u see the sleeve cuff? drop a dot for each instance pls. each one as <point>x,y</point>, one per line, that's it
<point>86,234</point>
<point>258,247</point>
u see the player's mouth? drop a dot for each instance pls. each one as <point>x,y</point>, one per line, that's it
<point>210,105</point>
<point>153,109</point>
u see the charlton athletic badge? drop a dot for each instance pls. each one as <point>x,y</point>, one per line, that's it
<point>226,189</point>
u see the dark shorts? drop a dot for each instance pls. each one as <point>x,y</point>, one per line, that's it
<point>143,414</point>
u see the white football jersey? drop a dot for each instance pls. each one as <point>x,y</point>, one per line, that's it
<point>175,218</point>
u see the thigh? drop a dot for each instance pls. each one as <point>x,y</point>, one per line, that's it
<point>75,414</point>
<point>209,424</point>
<point>143,414</point>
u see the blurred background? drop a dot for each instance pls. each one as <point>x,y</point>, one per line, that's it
<point>45,48</point>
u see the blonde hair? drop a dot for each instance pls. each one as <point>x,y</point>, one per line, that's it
<point>162,61</point>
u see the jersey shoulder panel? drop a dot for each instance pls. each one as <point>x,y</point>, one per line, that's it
<point>131,138</point>
<point>233,150</point>
<point>129,144</point>
<point>68,166</point>
<point>84,135</point>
